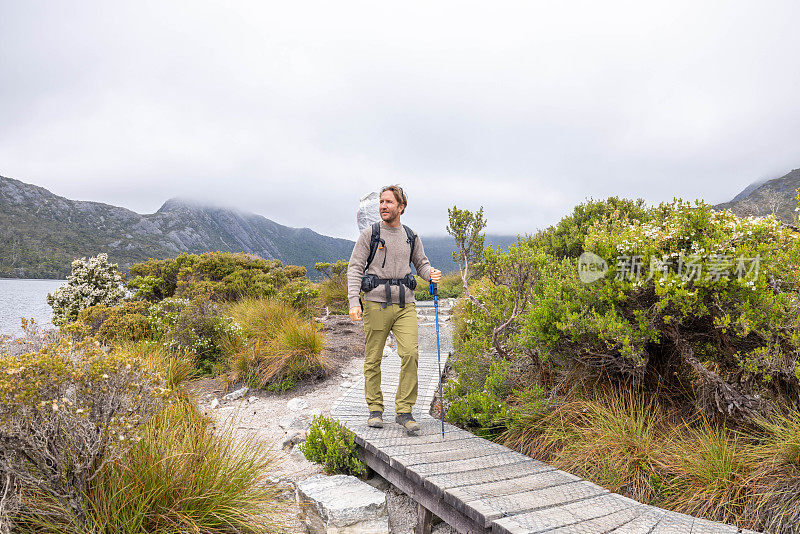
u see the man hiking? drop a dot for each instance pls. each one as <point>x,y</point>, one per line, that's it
<point>380,265</point>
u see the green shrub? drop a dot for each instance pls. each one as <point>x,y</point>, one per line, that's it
<point>727,346</point>
<point>276,347</point>
<point>451,286</point>
<point>329,443</point>
<point>193,326</point>
<point>91,282</point>
<point>127,321</point>
<point>333,288</point>
<point>300,294</point>
<point>221,275</point>
<point>486,408</point>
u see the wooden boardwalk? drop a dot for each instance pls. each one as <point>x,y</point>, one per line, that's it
<point>476,485</point>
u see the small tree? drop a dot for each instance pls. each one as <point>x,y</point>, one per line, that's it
<point>332,271</point>
<point>92,282</point>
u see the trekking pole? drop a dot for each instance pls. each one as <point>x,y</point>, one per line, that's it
<point>435,293</point>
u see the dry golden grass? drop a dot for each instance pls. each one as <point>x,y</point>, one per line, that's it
<point>277,346</point>
<point>629,444</point>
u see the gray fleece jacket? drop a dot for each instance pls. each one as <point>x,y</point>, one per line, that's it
<point>390,261</point>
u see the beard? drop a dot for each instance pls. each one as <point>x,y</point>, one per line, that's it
<point>390,215</point>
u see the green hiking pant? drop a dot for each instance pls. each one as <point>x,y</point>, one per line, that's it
<point>378,321</point>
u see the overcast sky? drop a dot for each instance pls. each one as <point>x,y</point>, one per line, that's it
<point>293,110</point>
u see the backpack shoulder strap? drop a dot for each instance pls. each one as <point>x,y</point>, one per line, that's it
<point>373,243</point>
<point>412,240</point>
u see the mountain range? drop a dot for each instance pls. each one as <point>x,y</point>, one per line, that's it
<point>776,196</point>
<point>41,233</point>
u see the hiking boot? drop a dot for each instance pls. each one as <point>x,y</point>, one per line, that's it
<point>406,420</point>
<point>375,419</point>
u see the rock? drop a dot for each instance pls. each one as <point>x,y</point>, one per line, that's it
<point>388,352</point>
<point>300,423</point>
<point>297,404</point>
<point>297,454</point>
<point>284,487</point>
<point>293,438</point>
<point>286,422</point>
<point>345,375</point>
<point>342,504</point>
<point>315,412</point>
<point>346,384</point>
<point>214,404</point>
<point>236,395</point>
<point>252,399</point>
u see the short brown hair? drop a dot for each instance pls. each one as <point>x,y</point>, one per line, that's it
<point>399,196</point>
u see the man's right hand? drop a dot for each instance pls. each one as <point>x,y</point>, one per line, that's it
<point>355,313</point>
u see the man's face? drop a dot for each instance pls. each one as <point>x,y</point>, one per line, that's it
<point>389,208</point>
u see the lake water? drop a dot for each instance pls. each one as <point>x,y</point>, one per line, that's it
<point>25,298</point>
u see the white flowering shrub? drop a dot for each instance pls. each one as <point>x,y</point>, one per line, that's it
<point>92,281</point>
<point>65,411</point>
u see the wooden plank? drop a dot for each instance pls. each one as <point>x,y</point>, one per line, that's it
<point>558,517</point>
<point>422,471</point>
<point>643,523</point>
<point>604,523</point>
<point>674,523</point>
<point>509,486</point>
<point>412,447</point>
<point>424,520</point>
<point>703,526</point>
<point>472,450</point>
<point>504,505</point>
<point>524,467</point>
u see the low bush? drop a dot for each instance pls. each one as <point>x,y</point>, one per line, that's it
<point>483,409</point>
<point>65,411</point>
<point>222,275</point>
<point>329,443</point>
<point>276,347</point>
<point>300,294</point>
<point>333,288</point>
<point>194,327</point>
<point>127,321</point>
<point>450,286</point>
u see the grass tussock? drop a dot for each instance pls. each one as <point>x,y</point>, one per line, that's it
<point>629,443</point>
<point>176,367</point>
<point>277,345</point>
<point>185,476</point>
<point>181,475</point>
<point>614,440</point>
<point>709,469</point>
